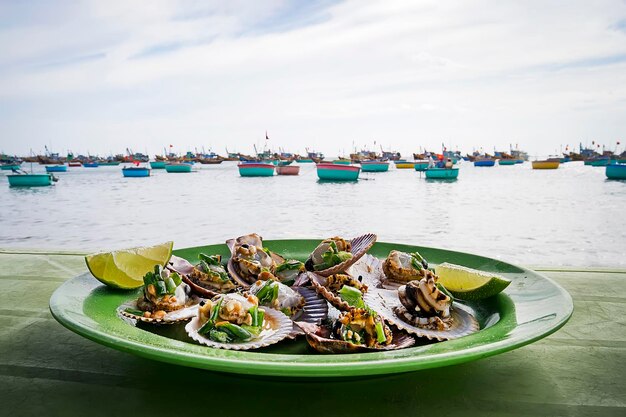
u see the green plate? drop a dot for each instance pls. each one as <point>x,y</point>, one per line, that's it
<point>532,307</point>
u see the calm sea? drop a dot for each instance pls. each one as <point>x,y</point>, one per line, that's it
<point>570,216</point>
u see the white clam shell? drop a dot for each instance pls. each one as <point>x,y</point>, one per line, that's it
<point>276,327</point>
<point>173,317</point>
<point>383,302</point>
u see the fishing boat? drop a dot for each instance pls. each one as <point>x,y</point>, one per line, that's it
<point>334,172</point>
<point>256,169</point>
<point>56,168</point>
<point>158,164</point>
<point>109,163</point>
<point>421,164</point>
<point>616,171</point>
<point>91,164</point>
<point>74,164</point>
<point>404,164</point>
<point>508,161</point>
<point>341,162</point>
<point>442,173</point>
<point>136,172</point>
<point>484,162</point>
<point>304,160</point>
<point>177,167</point>
<point>598,162</point>
<point>9,167</point>
<point>287,169</point>
<point>374,166</point>
<point>30,180</point>
<point>550,163</point>
<point>283,163</point>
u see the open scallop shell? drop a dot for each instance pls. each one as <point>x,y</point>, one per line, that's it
<point>317,337</point>
<point>360,245</point>
<point>276,327</point>
<point>370,268</point>
<point>314,311</point>
<point>383,302</point>
<point>233,269</point>
<point>318,283</point>
<point>183,267</point>
<point>173,317</point>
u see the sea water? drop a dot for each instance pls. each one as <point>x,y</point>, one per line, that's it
<point>570,216</point>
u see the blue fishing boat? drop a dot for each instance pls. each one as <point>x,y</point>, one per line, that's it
<point>484,162</point>
<point>374,166</point>
<point>507,162</point>
<point>136,172</point>
<point>616,171</point>
<point>256,169</point>
<point>442,173</point>
<point>91,164</point>
<point>56,168</point>
<point>334,172</point>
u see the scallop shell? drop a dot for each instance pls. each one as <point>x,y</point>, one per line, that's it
<point>463,321</point>
<point>233,270</point>
<point>360,245</point>
<point>276,327</point>
<point>173,317</point>
<point>314,311</point>
<point>317,282</point>
<point>183,267</point>
<point>317,338</point>
<point>370,268</point>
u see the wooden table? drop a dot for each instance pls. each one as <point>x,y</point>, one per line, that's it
<point>46,370</point>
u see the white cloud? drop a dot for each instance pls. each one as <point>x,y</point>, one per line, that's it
<point>108,75</point>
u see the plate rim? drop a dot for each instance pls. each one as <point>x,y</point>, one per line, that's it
<point>292,366</point>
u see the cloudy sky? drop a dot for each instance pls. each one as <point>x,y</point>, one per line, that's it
<point>105,75</point>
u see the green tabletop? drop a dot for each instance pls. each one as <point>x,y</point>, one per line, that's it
<point>47,370</point>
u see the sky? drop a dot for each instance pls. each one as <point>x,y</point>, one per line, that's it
<point>101,76</point>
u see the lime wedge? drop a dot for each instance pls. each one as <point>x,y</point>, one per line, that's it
<point>470,284</point>
<point>125,268</point>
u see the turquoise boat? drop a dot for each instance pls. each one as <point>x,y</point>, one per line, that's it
<point>442,173</point>
<point>334,172</point>
<point>600,162</point>
<point>284,163</point>
<point>91,164</point>
<point>9,167</point>
<point>176,168</point>
<point>270,161</point>
<point>109,163</point>
<point>421,165</point>
<point>30,180</point>
<point>157,164</point>
<point>136,172</point>
<point>616,171</point>
<point>341,162</point>
<point>56,168</point>
<point>304,160</point>
<point>374,166</point>
<point>507,161</point>
<point>256,169</point>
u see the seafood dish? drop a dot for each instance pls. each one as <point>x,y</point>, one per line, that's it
<point>339,299</point>
<point>164,298</point>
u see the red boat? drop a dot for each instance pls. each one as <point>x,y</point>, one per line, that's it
<point>74,164</point>
<point>288,170</point>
